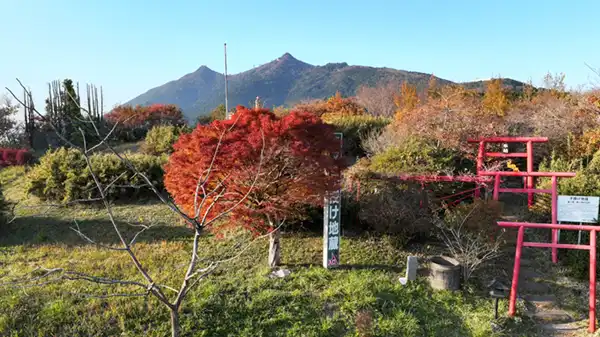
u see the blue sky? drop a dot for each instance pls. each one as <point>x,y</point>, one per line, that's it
<point>130,46</point>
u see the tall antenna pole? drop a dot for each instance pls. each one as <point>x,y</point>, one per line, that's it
<point>226,89</point>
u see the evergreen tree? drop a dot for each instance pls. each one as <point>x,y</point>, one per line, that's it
<point>63,108</point>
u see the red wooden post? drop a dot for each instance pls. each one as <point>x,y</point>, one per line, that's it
<point>480,154</point>
<point>592,323</point>
<point>510,140</point>
<point>554,218</point>
<point>529,170</point>
<point>525,174</point>
<point>496,187</point>
<point>515,279</point>
<point>591,247</point>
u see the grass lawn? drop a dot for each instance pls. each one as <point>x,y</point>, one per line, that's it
<point>238,300</point>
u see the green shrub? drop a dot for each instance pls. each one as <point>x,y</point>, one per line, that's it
<point>387,205</point>
<point>355,128</point>
<point>394,209</point>
<point>417,156</point>
<point>160,139</point>
<point>585,183</point>
<point>4,209</point>
<point>63,175</point>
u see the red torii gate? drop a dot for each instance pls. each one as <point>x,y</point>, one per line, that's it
<point>521,243</point>
<point>484,177</point>
<point>529,176</point>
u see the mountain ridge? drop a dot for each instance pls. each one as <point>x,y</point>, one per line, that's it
<point>283,81</point>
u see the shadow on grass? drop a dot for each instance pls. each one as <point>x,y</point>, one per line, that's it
<point>278,309</point>
<point>381,267</point>
<point>48,230</point>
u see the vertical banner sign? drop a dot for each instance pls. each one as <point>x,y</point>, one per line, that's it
<point>332,220</point>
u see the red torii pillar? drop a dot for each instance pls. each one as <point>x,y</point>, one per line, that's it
<point>553,191</point>
<point>482,154</point>
<point>521,243</point>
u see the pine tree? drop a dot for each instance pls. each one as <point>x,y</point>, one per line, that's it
<point>63,108</point>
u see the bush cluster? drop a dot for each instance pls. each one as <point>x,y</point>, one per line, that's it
<point>586,182</point>
<point>160,139</point>
<point>416,156</point>
<point>355,128</point>
<point>63,175</point>
<point>10,157</point>
<point>394,209</point>
<point>135,122</point>
<point>422,157</point>
<point>586,145</point>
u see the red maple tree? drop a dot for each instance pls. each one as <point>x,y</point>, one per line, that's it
<point>148,116</point>
<point>257,167</point>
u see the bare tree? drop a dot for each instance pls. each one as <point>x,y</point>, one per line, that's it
<point>555,82</point>
<point>466,234</point>
<point>378,100</point>
<point>596,71</point>
<point>7,113</point>
<point>378,141</point>
<point>197,269</point>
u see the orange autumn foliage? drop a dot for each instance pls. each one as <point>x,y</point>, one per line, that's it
<point>342,106</point>
<point>407,100</point>
<point>495,100</point>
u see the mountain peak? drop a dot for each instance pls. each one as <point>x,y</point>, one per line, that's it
<point>204,68</point>
<point>204,73</point>
<point>284,64</point>
<point>287,56</point>
<point>282,81</point>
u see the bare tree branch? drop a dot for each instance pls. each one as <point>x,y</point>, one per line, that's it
<point>209,199</point>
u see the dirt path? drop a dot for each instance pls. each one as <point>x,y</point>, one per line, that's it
<point>557,303</point>
<point>554,302</point>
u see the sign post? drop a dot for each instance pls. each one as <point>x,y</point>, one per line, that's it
<point>332,221</point>
<point>580,209</point>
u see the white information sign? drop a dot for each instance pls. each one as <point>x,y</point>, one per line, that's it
<point>572,208</point>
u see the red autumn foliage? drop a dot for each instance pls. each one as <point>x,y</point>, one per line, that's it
<point>9,157</point>
<point>146,116</point>
<point>296,167</point>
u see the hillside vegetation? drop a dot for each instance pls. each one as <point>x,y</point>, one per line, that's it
<point>284,81</point>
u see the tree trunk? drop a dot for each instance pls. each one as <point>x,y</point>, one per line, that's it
<point>175,323</point>
<point>274,248</point>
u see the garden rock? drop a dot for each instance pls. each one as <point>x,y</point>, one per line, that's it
<point>281,273</point>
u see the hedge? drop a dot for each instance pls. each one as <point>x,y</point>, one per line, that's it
<point>63,175</point>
